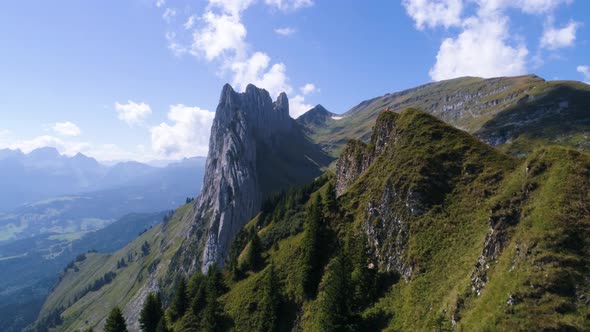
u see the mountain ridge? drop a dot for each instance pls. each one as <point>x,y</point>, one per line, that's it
<point>479,238</point>
<point>484,107</point>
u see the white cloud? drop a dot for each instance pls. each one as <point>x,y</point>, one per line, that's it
<point>173,45</point>
<point>64,147</point>
<point>232,7</point>
<point>289,5</point>
<point>584,70</point>
<point>527,6</point>
<point>482,49</point>
<point>112,152</point>
<point>71,147</point>
<point>187,136</point>
<point>133,113</point>
<point>160,3</point>
<point>432,13</point>
<point>66,129</point>
<point>190,22</point>
<point>219,36</point>
<point>554,38</point>
<point>297,106</point>
<point>169,14</point>
<point>308,88</point>
<point>485,45</point>
<point>222,34</point>
<point>286,31</point>
<point>258,71</point>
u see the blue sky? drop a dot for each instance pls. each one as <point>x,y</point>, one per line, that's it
<point>140,79</point>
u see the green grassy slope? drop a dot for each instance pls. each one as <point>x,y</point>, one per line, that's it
<point>142,273</point>
<point>538,279</point>
<point>483,106</point>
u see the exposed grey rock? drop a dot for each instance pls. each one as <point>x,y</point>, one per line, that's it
<point>255,149</point>
<point>353,162</point>
<point>503,216</point>
<point>357,157</point>
<point>231,193</point>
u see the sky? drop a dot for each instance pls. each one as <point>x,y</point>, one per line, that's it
<point>140,79</point>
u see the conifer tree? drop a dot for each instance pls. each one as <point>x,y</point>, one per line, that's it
<point>363,278</point>
<point>115,322</point>
<point>310,265</point>
<point>254,254</point>
<point>188,323</point>
<point>180,302</point>
<point>151,314</point>
<point>210,321</point>
<point>162,327</point>
<point>269,305</point>
<point>199,300</point>
<point>330,199</point>
<point>333,305</point>
<point>195,282</point>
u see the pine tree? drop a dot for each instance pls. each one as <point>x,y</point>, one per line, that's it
<point>197,279</point>
<point>310,265</point>
<point>199,300</point>
<point>188,323</point>
<point>162,325</point>
<point>363,278</point>
<point>254,254</point>
<point>269,305</point>
<point>151,314</point>
<point>333,305</point>
<point>180,302</point>
<point>330,199</point>
<point>115,322</point>
<point>213,313</point>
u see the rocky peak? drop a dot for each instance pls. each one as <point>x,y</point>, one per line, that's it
<point>44,153</point>
<point>317,116</point>
<point>249,133</point>
<point>358,156</point>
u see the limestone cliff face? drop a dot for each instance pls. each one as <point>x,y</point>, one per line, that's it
<point>255,149</point>
<point>231,193</point>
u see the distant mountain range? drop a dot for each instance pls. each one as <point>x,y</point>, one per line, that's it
<point>30,267</point>
<point>44,173</point>
<point>44,192</point>
<point>54,207</point>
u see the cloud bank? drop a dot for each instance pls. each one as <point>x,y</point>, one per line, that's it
<point>218,36</point>
<point>482,41</point>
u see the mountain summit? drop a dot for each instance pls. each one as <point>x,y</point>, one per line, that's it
<point>255,149</point>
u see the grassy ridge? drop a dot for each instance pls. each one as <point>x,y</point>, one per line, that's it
<point>143,272</point>
<point>446,241</point>
<point>525,111</point>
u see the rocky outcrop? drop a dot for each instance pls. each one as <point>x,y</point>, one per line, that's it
<point>412,163</point>
<point>386,216</point>
<point>255,149</point>
<point>503,216</point>
<point>358,156</point>
<point>231,193</point>
<point>353,162</point>
<point>316,117</point>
